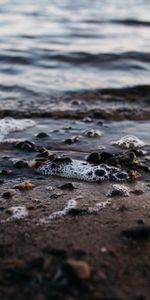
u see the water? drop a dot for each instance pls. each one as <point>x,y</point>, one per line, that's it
<point>52,47</point>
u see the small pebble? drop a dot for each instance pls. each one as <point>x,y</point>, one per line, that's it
<point>26,145</point>
<point>21,164</point>
<point>77,269</point>
<point>6,172</point>
<point>9,194</point>
<point>42,135</point>
<point>93,158</point>
<point>25,185</point>
<point>129,142</point>
<point>67,186</point>
<point>136,233</point>
<point>91,133</point>
<point>118,190</point>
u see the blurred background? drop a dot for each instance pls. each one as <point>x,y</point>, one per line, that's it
<point>53,46</point>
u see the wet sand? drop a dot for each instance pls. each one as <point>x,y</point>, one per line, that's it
<point>96,249</point>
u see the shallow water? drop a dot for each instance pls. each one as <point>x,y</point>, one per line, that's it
<point>52,47</point>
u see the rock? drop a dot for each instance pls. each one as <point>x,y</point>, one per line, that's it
<point>67,186</point>
<point>21,164</point>
<point>105,156</point>
<point>118,190</point>
<point>77,269</point>
<point>72,140</point>
<point>26,145</point>
<point>93,158</point>
<point>133,174</point>
<point>6,172</point>
<point>8,194</point>
<point>92,133</point>
<point>141,232</point>
<point>25,185</point>
<point>42,135</point>
<point>129,142</point>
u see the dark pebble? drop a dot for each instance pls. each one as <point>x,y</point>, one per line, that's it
<point>8,194</point>
<point>93,158</point>
<point>6,172</point>
<point>21,164</point>
<point>1,181</point>
<point>136,233</point>
<point>76,269</point>
<point>105,156</point>
<point>69,141</point>
<point>42,135</point>
<point>62,160</point>
<point>26,145</point>
<point>67,186</point>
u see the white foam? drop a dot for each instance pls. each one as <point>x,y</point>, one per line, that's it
<point>81,170</point>
<point>8,125</point>
<point>119,190</point>
<point>18,212</point>
<point>57,214</point>
<point>129,142</point>
<point>71,204</point>
<point>92,133</point>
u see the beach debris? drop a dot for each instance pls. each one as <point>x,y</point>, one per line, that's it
<point>92,133</point>
<point>8,125</point>
<point>76,269</point>
<point>17,212</point>
<point>118,190</point>
<point>141,232</point>
<point>129,142</point>
<point>25,185</point>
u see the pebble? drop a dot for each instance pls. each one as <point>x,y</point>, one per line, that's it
<point>6,172</point>
<point>67,186</point>
<point>93,158</point>
<point>118,190</point>
<point>92,133</point>
<point>9,194</point>
<point>42,135</point>
<point>25,185</point>
<point>26,145</point>
<point>141,232</point>
<point>129,142</point>
<point>72,140</point>
<point>21,164</point>
<point>77,269</point>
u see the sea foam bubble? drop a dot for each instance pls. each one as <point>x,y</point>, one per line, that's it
<point>129,142</point>
<point>83,171</point>
<point>8,125</point>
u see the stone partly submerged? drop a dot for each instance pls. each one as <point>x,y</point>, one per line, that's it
<point>129,142</point>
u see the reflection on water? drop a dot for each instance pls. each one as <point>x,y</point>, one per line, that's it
<point>48,46</point>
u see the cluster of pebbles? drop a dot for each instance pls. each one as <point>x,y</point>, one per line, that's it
<point>98,167</point>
